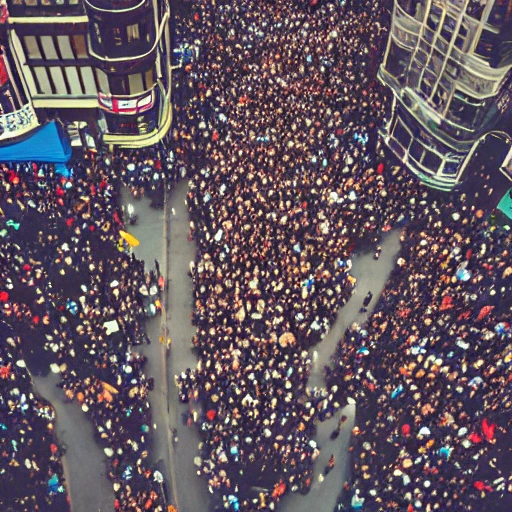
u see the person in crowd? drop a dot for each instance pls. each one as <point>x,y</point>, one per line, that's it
<point>278,132</point>
<point>77,302</point>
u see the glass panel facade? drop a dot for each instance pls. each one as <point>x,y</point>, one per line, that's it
<point>397,61</point>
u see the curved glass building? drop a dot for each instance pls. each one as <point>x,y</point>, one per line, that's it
<point>448,63</point>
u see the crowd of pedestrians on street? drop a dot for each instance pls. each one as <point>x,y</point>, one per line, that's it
<point>287,178</point>
<point>77,299</point>
<point>31,475</point>
<point>431,371</point>
<point>276,128</point>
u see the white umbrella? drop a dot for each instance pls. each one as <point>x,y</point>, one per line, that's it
<point>55,368</point>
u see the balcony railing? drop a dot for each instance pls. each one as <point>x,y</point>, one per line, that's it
<point>138,58</point>
<point>115,6</point>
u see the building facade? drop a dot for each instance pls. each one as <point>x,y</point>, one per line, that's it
<point>105,60</point>
<point>448,63</point>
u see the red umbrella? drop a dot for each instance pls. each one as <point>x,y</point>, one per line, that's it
<point>406,430</point>
<point>475,438</point>
<point>447,303</point>
<point>484,312</point>
<point>4,296</point>
<point>488,430</point>
<point>481,486</point>
<point>5,371</point>
<point>211,414</point>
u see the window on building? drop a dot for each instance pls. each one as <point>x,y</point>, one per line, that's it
<point>414,75</point>
<point>73,80</point>
<point>452,69</point>
<point>402,135</point>
<point>461,37</point>
<point>475,9</point>
<point>440,98</point>
<point>451,167</point>
<point>431,161</point>
<point>397,61</point>
<point>135,83</point>
<point>428,35</point>
<point>427,83</point>
<point>43,81</point>
<point>448,28</point>
<point>416,151</point>
<point>32,47</point>
<point>116,34</point>
<point>434,17</point>
<point>80,46</point>
<point>59,83</point>
<point>133,33</point>
<point>88,80</point>
<point>421,57</point>
<point>466,110</point>
<point>49,48</point>
<point>414,8</point>
<point>150,78</point>
<point>436,62</point>
<point>486,45</point>
<point>102,80</point>
<point>118,85</point>
<point>65,48</point>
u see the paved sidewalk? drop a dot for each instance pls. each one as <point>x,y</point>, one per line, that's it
<point>192,492</point>
<point>84,462</point>
<point>371,276</point>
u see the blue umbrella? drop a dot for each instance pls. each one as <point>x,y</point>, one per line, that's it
<point>501,328</point>
<point>53,484</point>
<point>463,274</point>
<point>127,473</point>
<point>72,307</point>
<point>397,391</point>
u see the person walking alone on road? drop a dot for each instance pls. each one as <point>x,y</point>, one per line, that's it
<point>366,302</point>
<point>330,464</point>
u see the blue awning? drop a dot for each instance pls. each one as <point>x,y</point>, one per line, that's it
<point>46,144</point>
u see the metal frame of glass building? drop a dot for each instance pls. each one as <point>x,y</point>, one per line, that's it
<point>448,63</point>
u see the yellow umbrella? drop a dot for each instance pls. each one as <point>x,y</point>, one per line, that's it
<point>129,238</point>
<point>109,388</point>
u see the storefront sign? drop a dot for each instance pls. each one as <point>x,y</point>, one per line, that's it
<point>126,106</point>
<point>18,122</point>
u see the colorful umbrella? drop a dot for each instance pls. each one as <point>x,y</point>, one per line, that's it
<point>132,241</point>
<point>110,388</point>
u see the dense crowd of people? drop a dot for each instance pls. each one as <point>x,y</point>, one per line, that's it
<point>31,474</point>
<point>78,301</point>
<point>145,172</point>
<point>287,178</point>
<point>431,371</point>
<point>277,129</point>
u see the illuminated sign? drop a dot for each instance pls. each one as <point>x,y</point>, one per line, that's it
<point>126,106</point>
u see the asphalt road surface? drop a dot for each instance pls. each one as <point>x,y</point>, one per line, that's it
<point>84,462</point>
